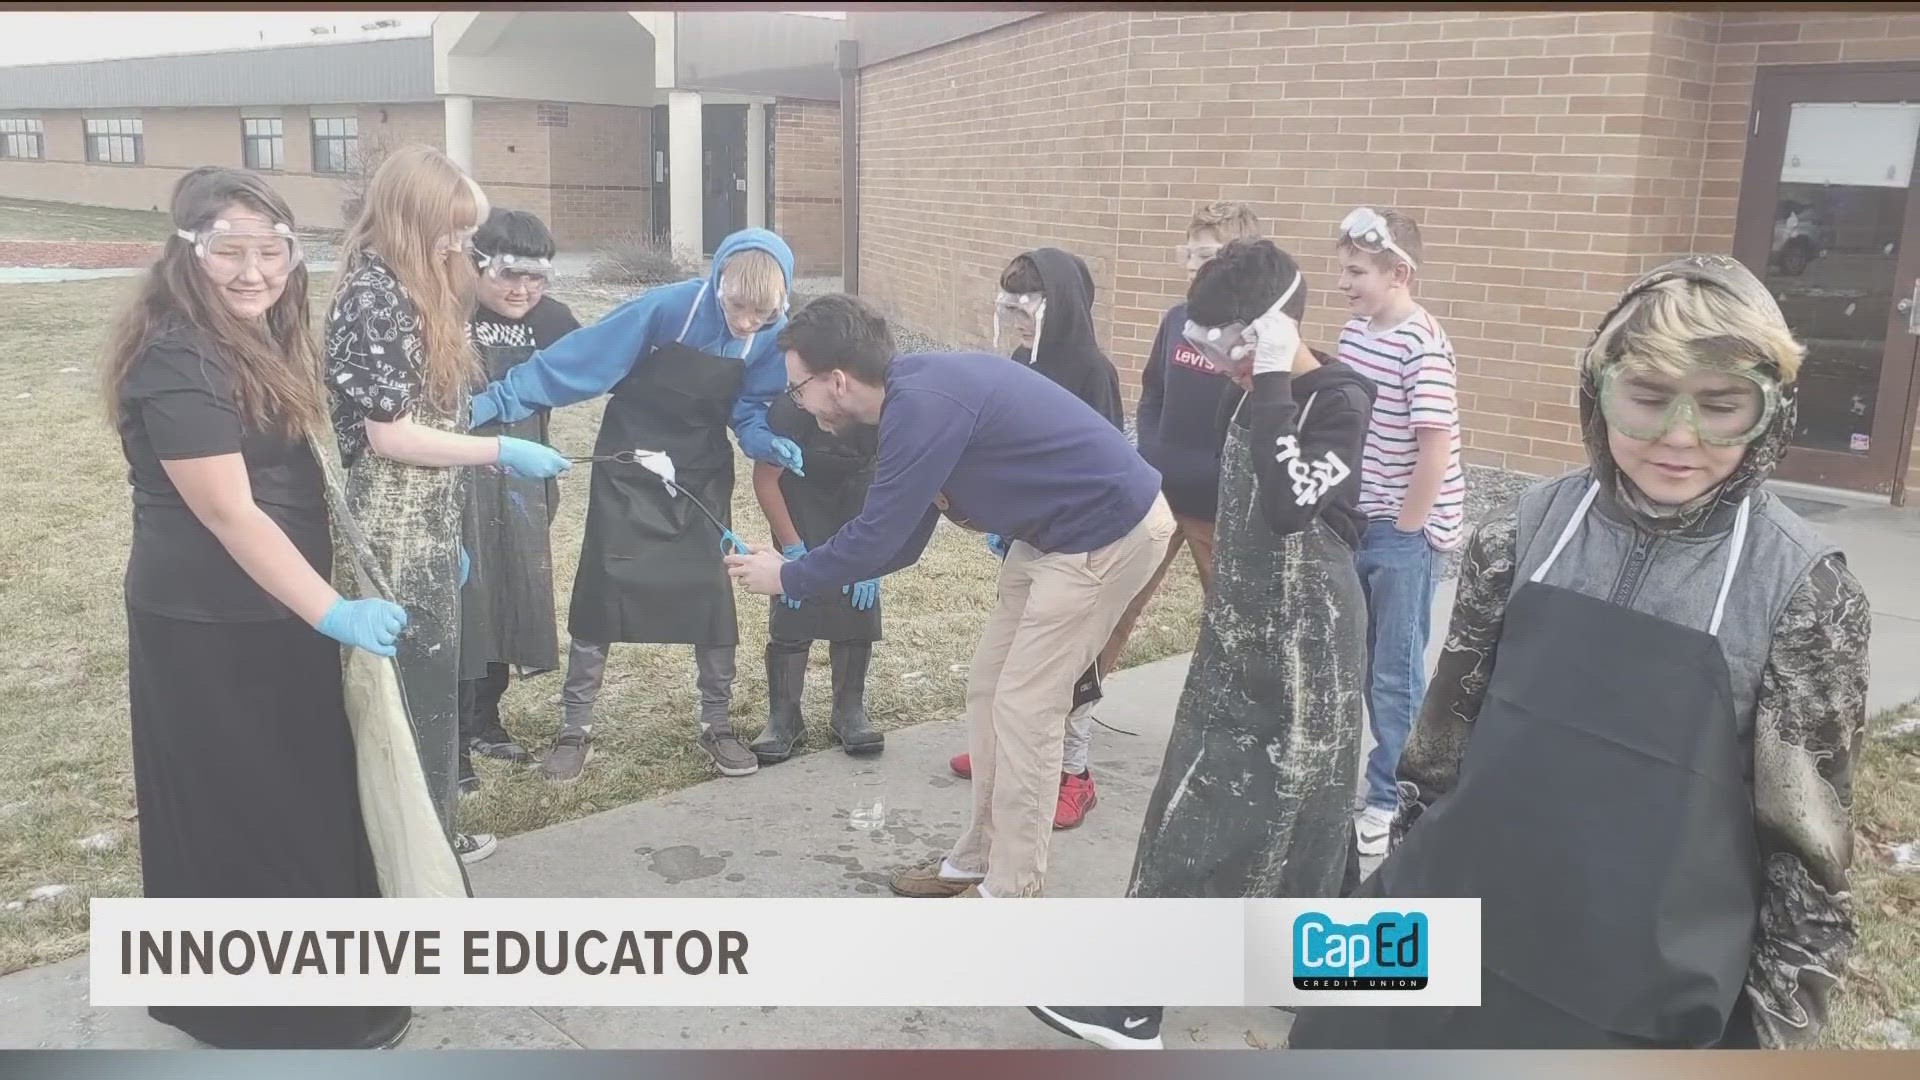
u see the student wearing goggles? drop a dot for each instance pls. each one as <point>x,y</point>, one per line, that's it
<point>1680,682</point>
<point>228,249</point>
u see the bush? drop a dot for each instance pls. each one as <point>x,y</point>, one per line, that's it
<point>641,259</point>
<point>369,151</point>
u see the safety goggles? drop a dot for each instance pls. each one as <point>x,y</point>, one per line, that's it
<point>1194,256</point>
<point>1010,307</point>
<point>1367,230</point>
<point>1226,346</point>
<point>737,309</point>
<point>1223,346</point>
<point>514,269</point>
<point>1724,407</point>
<point>225,251</point>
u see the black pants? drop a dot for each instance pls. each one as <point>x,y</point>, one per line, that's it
<point>480,702</point>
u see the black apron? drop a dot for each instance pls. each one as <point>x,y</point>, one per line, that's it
<point>1254,793</point>
<point>651,565</point>
<point>1621,920</point>
<point>506,607</point>
<point>839,471</point>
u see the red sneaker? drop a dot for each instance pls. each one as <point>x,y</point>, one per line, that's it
<point>1076,798</point>
<point>962,765</point>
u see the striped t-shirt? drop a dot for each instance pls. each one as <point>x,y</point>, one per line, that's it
<point>1413,366</point>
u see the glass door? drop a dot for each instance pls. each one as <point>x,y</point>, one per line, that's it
<point>1828,222</point>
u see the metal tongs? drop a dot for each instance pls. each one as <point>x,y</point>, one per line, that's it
<point>658,463</point>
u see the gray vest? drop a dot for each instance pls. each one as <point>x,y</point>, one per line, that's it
<point>1677,578</point>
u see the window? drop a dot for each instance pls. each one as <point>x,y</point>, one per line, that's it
<point>336,141</point>
<point>22,139</point>
<point>266,149</point>
<point>114,142</point>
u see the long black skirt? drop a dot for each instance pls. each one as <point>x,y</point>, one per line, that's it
<point>243,766</point>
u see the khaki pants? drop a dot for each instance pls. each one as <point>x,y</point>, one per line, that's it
<point>1054,612</point>
<point>1198,534</point>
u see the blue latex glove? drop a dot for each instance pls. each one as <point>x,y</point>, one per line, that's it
<point>466,565</point>
<point>786,454</point>
<point>485,410</point>
<point>792,552</point>
<point>997,544</point>
<point>533,460</point>
<point>373,624</point>
<point>864,593</point>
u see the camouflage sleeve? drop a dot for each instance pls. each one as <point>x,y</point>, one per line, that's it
<point>1432,756</point>
<point>1809,723</point>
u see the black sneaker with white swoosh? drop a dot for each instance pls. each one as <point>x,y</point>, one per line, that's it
<point>1127,1028</point>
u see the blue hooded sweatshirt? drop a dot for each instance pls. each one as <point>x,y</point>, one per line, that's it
<point>589,361</point>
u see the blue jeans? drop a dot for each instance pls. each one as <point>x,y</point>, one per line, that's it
<point>1398,574</point>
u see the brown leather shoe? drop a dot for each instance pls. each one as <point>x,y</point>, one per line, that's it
<point>925,883</point>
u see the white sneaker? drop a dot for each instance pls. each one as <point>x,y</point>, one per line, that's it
<point>1371,828</point>
<point>472,847</point>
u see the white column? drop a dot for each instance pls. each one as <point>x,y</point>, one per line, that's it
<point>685,172</point>
<point>757,166</point>
<point>460,131</point>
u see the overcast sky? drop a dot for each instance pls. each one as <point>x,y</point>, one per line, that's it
<point>50,37</point>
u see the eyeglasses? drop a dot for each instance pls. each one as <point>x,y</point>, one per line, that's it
<point>225,251</point>
<point>1368,230</point>
<point>793,389</point>
<point>1723,407</point>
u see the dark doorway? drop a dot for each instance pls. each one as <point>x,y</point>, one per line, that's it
<point>724,169</point>
<point>659,155</point>
<point>1828,222</point>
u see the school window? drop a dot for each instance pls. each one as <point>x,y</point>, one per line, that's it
<point>336,139</point>
<point>22,140</point>
<point>115,142</point>
<point>266,148</point>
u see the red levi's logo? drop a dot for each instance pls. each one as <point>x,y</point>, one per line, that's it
<point>1189,357</point>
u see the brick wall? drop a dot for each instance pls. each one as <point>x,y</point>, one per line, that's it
<point>601,177</point>
<point>806,183</point>
<point>1549,158</point>
<point>510,155</point>
<point>993,145</point>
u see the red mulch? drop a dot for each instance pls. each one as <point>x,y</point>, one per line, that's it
<point>77,254</point>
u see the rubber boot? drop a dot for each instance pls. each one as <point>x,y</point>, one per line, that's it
<point>729,754</point>
<point>786,729</point>
<point>850,725</point>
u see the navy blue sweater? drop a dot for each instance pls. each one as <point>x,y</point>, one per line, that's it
<point>1181,396</point>
<point>1012,452</point>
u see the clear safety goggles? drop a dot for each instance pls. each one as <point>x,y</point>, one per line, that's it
<point>1010,308</point>
<point>1223,346</point>
<point>514,269</point>
<point>1368,231</point>
<point>1724,407</point>
<point>1195,256</point>
<point>1226,347</point>
<point>739,310</point>
<point>226,251</point>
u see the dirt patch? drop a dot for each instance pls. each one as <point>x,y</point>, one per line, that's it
<point>77,254</point>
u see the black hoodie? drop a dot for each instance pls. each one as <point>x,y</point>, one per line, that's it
<point>1068,352</point>
<point>1315,469</point>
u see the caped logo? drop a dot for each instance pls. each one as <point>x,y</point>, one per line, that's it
<point>1388,953</point>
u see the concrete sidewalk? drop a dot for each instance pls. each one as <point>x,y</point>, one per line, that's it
<point>784,832</point>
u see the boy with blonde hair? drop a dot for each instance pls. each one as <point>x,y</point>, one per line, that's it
<point>1412,488</point>
<point>1640,747</point>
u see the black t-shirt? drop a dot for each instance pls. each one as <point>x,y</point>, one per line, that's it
<point>177,403</point>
